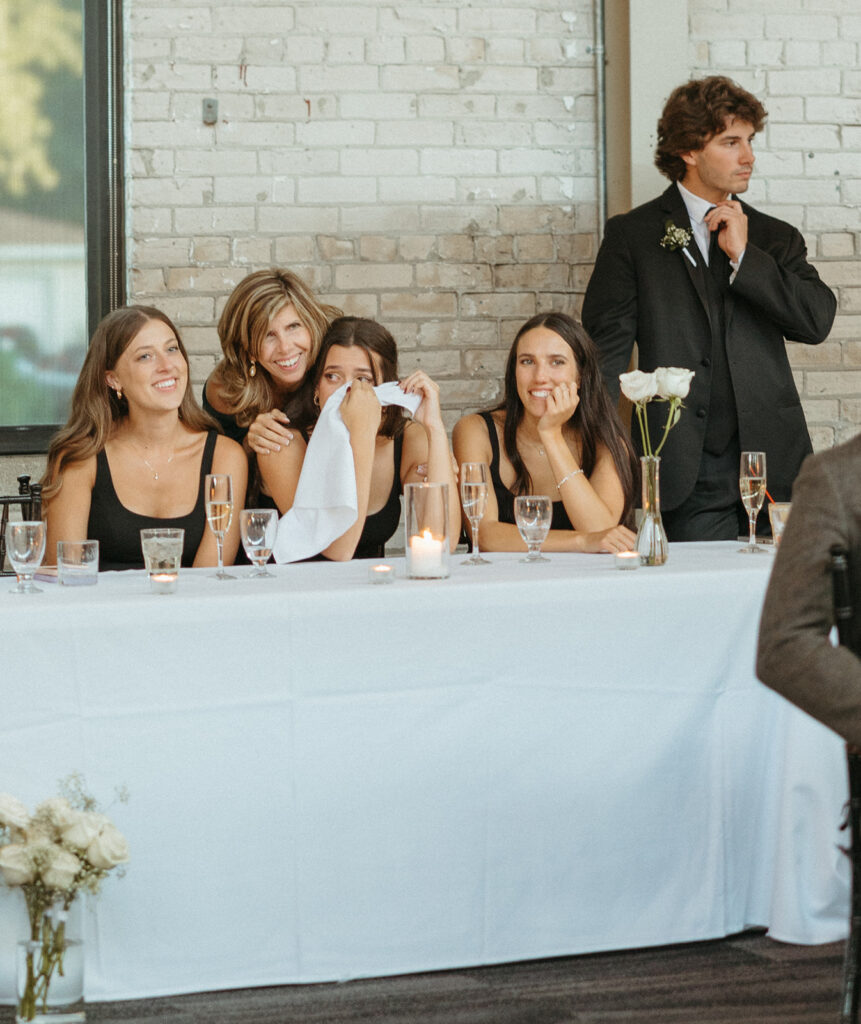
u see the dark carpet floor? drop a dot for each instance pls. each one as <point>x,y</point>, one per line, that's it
<point>746,979</point>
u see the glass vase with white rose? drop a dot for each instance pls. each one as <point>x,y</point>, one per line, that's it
<point>65,847</point>
<point>669,384</point>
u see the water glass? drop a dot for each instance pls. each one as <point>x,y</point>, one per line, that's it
<point>778,515</point>
<point>162,551</point>
<point>258,527</point>
<point>78,562</point>
<point>25,549</point>
<point>532,513</point>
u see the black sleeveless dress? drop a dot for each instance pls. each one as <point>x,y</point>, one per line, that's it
<point>118,530</point>
<point>380,526</point>
<point>504,497</point>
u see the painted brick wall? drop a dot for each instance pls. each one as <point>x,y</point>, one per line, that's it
<point>801,58</point>
<point>433,165</point>
<point>430,165</point>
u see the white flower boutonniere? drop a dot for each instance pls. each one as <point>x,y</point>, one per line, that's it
<point>677,238</point>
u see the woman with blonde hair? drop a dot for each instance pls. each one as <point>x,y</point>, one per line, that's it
<point>137,447</point>
<point>270,331</point>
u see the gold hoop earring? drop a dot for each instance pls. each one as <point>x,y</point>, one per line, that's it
<point>252,372</point>
<point>316,400</point>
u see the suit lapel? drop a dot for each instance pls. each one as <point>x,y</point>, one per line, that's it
<point>675,210</point>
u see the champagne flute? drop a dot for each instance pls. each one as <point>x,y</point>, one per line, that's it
<point>257,527</point>
<point>219,514</point>
<point>25,549</point>
<point>751,483</point>
<point>532,513</point>
<point>473,496</point>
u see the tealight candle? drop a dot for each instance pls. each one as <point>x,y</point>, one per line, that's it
<point>627,560</point>
<point>381,574</point>
<point>163,582</point>
<point>426,555</point>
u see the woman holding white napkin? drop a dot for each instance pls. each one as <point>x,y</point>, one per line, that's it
<point>557,433</point>
<point>387,450</point>
<point>137,447</point>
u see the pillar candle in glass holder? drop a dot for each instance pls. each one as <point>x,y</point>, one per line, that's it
<point>426,523</point>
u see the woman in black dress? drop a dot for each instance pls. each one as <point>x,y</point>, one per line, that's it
<point>137,447</point>
<point>270,332</point>
<point>556,433</point>
<point>389,451</point>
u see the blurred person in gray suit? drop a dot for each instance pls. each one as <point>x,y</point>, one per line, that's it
<point>795,655</point>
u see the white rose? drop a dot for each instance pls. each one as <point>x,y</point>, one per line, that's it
<point>61,870</point>
<point>638,386</point>
<point>13,814</point>
<point>83,829</point>
<point>16,864</point>
<point>673,381</point>
<point>108,849</point>
<point>58,811</point>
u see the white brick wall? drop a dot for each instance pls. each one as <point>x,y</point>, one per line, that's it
<point>800,58</point>
<point>434,165</point>
<point>416,163</point>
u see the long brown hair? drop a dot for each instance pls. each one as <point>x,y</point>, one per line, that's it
<point>595,419</point>
<point>243,326</point>
<point>697,111</point>
<point>375,340</point>
<point>96,410</point>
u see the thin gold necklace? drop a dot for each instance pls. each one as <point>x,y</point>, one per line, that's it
<point>146,461</point>
<point>532,444</point>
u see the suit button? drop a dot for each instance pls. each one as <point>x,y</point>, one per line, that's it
<point>701,413</point>
<point>706,363</point>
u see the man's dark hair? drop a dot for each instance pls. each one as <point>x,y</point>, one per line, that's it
<point>697,111</point>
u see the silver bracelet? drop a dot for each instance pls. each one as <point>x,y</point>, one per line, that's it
<point>568,476</point>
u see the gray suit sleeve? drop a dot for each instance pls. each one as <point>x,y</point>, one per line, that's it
<point>795,656</point>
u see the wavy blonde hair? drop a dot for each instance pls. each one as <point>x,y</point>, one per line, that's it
<point>243,326</point>
<point>96,410</point>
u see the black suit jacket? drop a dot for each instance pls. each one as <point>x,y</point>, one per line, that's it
<point>640,292</point>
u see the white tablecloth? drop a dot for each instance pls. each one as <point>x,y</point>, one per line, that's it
<point>332,779</point>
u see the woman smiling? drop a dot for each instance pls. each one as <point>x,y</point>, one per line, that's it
<point>137,447</point>
<point>555,432</point>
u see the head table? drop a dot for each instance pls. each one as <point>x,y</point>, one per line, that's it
<point>332,779</point>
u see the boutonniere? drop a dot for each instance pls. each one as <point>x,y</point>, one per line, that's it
<point>677,238</point>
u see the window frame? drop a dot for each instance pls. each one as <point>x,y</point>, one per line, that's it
<point>103,190</point>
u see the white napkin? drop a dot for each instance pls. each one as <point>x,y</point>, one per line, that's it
<point>326,504</point>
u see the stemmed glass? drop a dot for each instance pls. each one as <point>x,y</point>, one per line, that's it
<point>532,513</point>
<point>25,548</point>
<point>219,514</point>
<point>751,483</point>
<point>257,527</point>
<point>473,496</point>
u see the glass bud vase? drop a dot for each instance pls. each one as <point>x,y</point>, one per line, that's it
<point>651,537</point>
<point>50,975</point>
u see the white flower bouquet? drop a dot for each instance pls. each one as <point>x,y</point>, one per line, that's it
<point>669,384</point>
<point>66,846</point>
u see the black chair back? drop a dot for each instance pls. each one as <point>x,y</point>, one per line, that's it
<point>29,501</point>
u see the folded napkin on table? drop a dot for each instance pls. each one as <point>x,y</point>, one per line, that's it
<point>326,504</point>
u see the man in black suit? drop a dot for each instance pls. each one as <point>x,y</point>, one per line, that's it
<point>701,280</point>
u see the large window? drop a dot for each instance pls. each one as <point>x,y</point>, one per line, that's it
<point>60,203</point>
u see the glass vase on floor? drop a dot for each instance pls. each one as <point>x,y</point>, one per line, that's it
<point>50,974</point>
<point>651,537</point>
